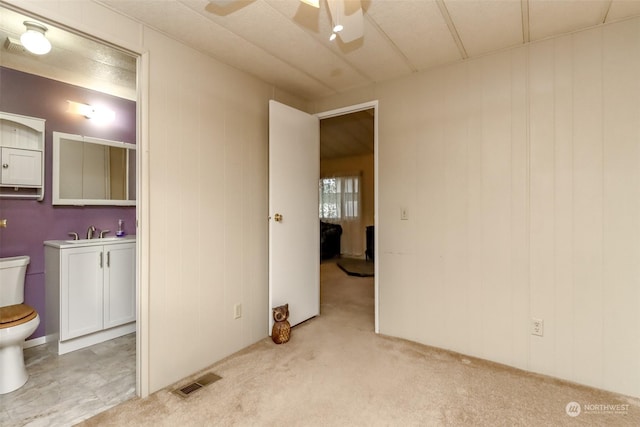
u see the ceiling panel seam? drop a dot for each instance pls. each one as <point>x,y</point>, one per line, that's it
<point>452,28</point>
<point>606,13</point>
<point>353,67</point>
<point>526,35</point>
<point>394,46</point>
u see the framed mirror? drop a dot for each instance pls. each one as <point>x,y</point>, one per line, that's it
<point>92,171</point>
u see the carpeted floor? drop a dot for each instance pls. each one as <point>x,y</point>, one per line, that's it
<point>336,372</point>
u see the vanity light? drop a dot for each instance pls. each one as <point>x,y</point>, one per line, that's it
<point>101,115</point>
<point>34,39</point>
<point>98,114</point>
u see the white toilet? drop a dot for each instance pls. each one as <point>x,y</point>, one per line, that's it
<point>17,322</point>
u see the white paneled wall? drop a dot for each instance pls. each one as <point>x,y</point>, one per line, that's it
<point>208,204</point>
<point>521,174</point>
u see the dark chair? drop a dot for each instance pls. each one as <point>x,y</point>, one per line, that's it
<point>329,240</point>
<point>370,243</point>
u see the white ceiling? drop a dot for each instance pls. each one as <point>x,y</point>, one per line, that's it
<point>286,42</point>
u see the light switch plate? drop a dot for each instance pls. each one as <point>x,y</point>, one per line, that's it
<point>404,214</point>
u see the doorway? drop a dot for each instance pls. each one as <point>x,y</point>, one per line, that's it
<point>59,76</point>
<point>347,137</point>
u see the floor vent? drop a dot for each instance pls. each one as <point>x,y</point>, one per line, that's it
<point>203,381</point>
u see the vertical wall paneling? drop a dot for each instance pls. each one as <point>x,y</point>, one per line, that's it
<point>563,297</point>
<point>496,207</point>
<point>621,203</point>
<point>431,198</point>
<point>398,308</point>
<point>588,207</point>
<point>211,210</point>
<point>159,263</point>
<point>541,199</point>
<point>455,268</point>
<point>475,167</point>
<point>519,245</point>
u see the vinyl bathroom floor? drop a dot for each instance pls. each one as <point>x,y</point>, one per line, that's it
<point>64,390</point>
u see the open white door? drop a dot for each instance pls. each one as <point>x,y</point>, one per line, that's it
<point>294,227</point>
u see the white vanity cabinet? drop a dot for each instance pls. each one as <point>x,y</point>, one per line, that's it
<point>21,156</point>
<point>90,291</point>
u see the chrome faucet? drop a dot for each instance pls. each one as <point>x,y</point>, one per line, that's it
<point>90,232</point>
<point>103,232</point>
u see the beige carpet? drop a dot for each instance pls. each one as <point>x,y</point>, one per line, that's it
<point>336,372</point>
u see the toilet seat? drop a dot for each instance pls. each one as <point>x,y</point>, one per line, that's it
<point>14,315</point>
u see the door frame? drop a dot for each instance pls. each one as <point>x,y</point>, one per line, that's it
<point>354,109</point>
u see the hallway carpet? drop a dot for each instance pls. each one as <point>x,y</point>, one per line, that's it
<point>336,372</point>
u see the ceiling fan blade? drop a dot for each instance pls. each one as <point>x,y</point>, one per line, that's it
<point>353,22</point>
<point>221,3</point>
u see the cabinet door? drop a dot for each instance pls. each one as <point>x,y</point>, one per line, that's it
<point>120,284</point>
<point>21,167</point>
<point>81,291</point>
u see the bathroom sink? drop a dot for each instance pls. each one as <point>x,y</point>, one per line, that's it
<point>97,239</point>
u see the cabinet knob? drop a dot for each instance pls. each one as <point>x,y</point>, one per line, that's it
<point>5,165</point>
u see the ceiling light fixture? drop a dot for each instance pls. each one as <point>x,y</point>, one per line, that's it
<point>346,17</point>
<point>337,22</point>
<point>34,40</point>
<point>332,37</point>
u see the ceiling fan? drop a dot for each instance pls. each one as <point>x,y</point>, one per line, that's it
<point>346,17</point>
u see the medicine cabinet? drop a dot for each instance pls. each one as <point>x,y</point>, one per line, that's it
<point>93,171</point>
<point>21,156</point>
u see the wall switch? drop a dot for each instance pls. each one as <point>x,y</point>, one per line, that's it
<point>404,214</point>
<point>237,311</point>
<point>537,327</point>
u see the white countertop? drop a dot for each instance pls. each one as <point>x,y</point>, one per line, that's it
<point>89,242</point>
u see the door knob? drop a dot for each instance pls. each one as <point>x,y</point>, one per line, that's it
<point>277,217</point>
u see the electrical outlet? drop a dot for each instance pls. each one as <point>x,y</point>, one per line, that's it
<point>537,327</point>
<point>237,311</point>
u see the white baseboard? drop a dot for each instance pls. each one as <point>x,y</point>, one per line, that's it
<point>35,342</point>
<point>77,343</point>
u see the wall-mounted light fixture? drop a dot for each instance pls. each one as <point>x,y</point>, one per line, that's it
<point>34,39</point>
<point>98,114</point>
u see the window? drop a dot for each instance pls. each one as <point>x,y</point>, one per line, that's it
<point>339,198</point>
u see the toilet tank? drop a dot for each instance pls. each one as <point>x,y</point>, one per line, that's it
<point>12,272</point>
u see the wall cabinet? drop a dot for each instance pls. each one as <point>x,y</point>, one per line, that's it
<point>21,156</point>
<point>90,288</point>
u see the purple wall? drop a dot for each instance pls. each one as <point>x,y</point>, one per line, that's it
<point>29,222</point>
